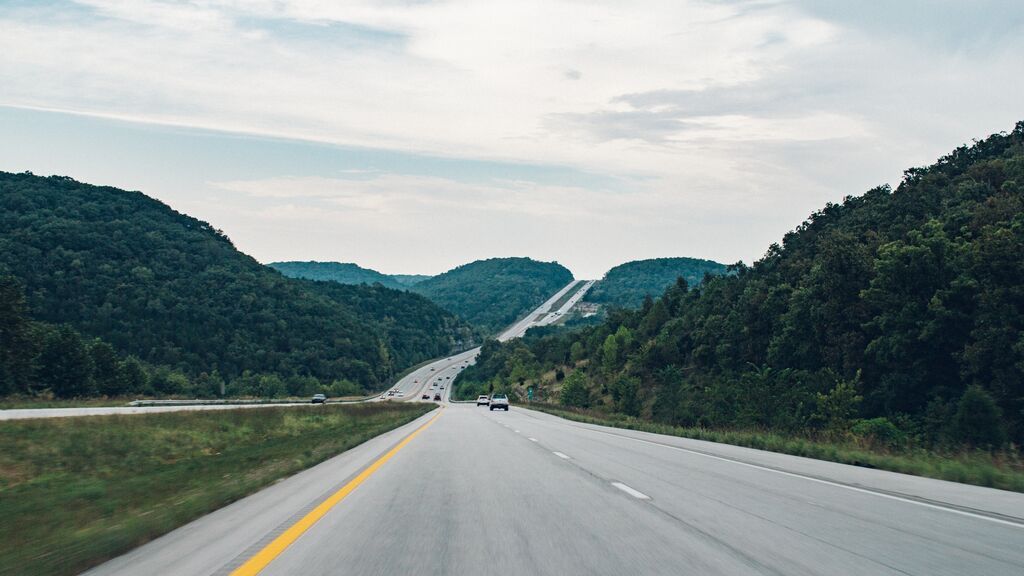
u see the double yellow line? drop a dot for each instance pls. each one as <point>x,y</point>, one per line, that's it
<point>265,556</point>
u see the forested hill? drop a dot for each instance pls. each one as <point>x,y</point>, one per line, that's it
<point>626,285</point>
<point>175,292</point>
<point>344,273</point>
<point>492,294</point>
<point>896,314</point>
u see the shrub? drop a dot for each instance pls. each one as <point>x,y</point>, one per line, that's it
<point>879,433</point>
<point>978,419</point>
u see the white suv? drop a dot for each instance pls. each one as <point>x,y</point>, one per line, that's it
<point>482,400</point>
<point>499,402</point>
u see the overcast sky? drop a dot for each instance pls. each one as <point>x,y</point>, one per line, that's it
<point>414,136</point>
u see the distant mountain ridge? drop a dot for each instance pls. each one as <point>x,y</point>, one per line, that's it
<point>344,273</point>
<point>626,285</point>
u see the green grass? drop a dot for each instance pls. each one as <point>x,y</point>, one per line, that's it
<point>1003,470</point>
<point>18,402</point>
<point>77,491</point>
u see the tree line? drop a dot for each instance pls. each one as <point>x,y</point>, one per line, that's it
<point>174,293</point>
<point>895,316</point>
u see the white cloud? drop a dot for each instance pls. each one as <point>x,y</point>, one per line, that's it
<point>729,121</point>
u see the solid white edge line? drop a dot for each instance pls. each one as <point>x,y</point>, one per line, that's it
<point>560,455</point>
<point>634,493</point>
<point>822,481</point>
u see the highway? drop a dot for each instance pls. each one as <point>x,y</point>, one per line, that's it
<point>412,386</point>
<point>480,492</point>
<point>443,371</point>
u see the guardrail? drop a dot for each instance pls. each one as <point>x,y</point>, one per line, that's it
<point>235,402</point>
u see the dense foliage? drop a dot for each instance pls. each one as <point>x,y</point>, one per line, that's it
<point>895,316</point>
<point>492,294</point>
<point>175,293</point>
<point>626,285</point>
<point>345,273</point>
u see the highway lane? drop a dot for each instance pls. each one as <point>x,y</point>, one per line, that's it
<point>556,315</point>
<point>480,492</point>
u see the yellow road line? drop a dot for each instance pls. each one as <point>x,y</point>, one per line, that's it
<point>265,556</point>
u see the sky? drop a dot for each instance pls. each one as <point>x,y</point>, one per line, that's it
<point>414,136</point>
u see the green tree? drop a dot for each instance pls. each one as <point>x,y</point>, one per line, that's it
<point>836,410</point>
<point>574,391</point>
<point>577,352</point>
<point>63,365</point>
<point>978,419</point>
<point>625,395</point>
<point>106,370</point>
<point>16,343</point>
<point>135,378</point>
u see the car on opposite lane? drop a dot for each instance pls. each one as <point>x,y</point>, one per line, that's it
<point>319,399</point>
<point>499,402</point>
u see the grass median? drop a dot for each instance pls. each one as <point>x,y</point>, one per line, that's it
<point>1003,470</point>
<point>77,491</point>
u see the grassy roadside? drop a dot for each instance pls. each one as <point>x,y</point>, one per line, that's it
<point>1001,470</point>
<point>77,491</point>
<point>21,402</point>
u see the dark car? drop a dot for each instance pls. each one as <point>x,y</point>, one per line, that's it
<point>437,396</point>
<point>499,402</point>
<point>425,397</point>
<point>319,399</point>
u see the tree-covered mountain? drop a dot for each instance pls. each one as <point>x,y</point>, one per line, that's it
<point>345,273</point>
<point>492,294</point>
<point>626,285</point>
<point>895,315</point>
<point>174,292</point>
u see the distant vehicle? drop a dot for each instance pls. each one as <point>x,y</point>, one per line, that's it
<point>437,396</point>
<point>391,393</point>
<point>319,398</point>
<point>442,387</point>
<point>425,397</point>
<point>482,400</point>
<point>400,394</point>
<point>431,368</point>
<point>499,402</point>
<point>447,377</point>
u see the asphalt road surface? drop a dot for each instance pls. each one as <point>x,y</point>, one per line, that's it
<point>481,492</point>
